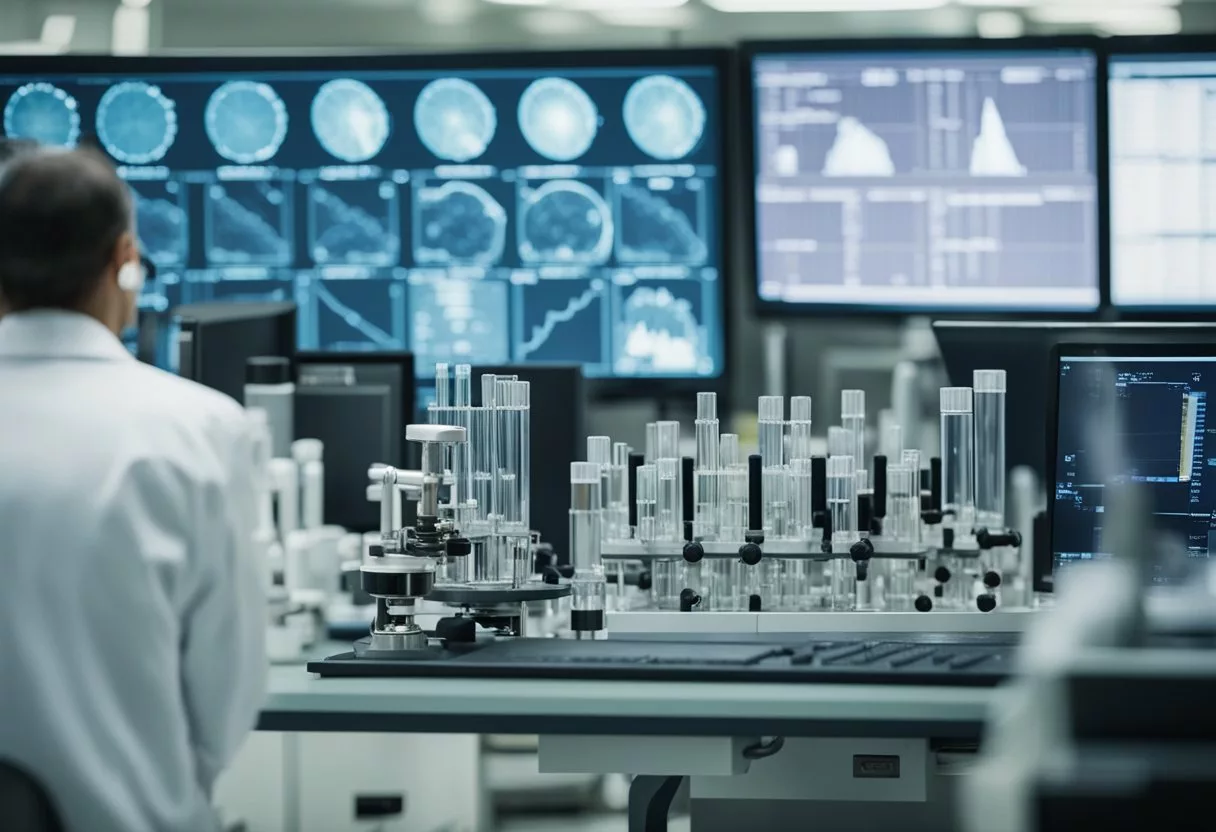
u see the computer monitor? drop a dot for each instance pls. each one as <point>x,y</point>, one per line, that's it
<point>1131,413</point>
<point>213,341</point>
<point>358,404</point>
<point>925,176</point>
<point>1163,176</point>
<point>1023,350</point>
<point>491,208</point>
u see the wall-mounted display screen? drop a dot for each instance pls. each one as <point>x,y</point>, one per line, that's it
<point>569,213</point>
<point>926,180</point>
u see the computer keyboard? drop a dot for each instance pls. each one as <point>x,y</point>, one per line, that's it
<point>927,659</point>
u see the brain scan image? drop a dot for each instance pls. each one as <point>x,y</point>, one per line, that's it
<point>664,117</point>
<point>136,123</point>
<point>454,119</point>
<point>246,121</point>
<point>565,222</point>
<point>459,224</point>
<point>558,119</point>
<point>350,120</point>
<point>42,113</point>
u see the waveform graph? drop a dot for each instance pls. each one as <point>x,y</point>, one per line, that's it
<point>362,314</point>
<point>458,320</point>
<point>162,221</point>
<point>354,222</point>
<point>248,223</point>
<point>662,220</point>
<point>458,223</point>
<point>237,285</point>
<point>992,152</point>
<point>564,222</point>
<point>562,321</point>
<point>659,329</point>
<point>858,150</point>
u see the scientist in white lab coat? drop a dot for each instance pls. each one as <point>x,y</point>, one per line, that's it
<point>132,624</point>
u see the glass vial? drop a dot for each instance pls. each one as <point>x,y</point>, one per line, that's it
<point>989,404</point>
<point>958,457</point>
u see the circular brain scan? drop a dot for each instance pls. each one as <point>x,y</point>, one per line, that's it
<point>460,224</point>
<point>565,221</point>
<point>136,123</point>
<point>42,113</point>
<point>350,120</point>
<point>558,119</point>
<point>664,117</point>
<point>246,121</point>
<point>454,119</point>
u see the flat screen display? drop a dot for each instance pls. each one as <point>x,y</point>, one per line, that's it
<point>1163,180</point>
<point>513,214</point>
<point>926,180</point>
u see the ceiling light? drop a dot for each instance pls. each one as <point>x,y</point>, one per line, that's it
<point>823,5</point>
<point>1001,4</point>
<point>57,30</point>
<point>137,4</point>
<point>1113,18</point>
<point>448,12</point>
<point>1000,25</point>
<point>129,34</point>
<point>620,5</point>
<point>675,18</point>
<point>519,2</point>
<point>555,22</point>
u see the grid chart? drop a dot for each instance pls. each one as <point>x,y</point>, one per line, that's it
<point>482,216</point>
<point>937,181</point>
<point>1163,180</point>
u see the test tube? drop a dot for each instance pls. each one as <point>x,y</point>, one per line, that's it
<point>616,525</point>
<point>652,442</point>
<point>903,527</point>
<point>958,456</point>
<point>648,502</point>
<point>853,417</point>
<point>667,440</point>
<point>800,427</point>
<point>989,405</point>
<point>732,523</point>
<point>589,588</point>
<point>772,451</point>
<point>461,452</point>
<point>669,509</point>
<point>892,441</point>
<point>842,499</point>
<point>840,441</point>
<point>483,445</point>
<point>706,482</point>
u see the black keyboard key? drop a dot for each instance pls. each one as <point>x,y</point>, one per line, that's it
<point>836,656</point>
<point>879,653</point>
<point>942,658</point>
<point>805,658</point>
<point>912,657</point>
<point>965,662</point>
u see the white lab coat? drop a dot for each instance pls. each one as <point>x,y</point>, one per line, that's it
<point>132,618</point>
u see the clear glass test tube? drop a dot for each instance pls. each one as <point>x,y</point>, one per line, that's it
<point>958,456</point>
<point>989,407</point>
<point>776,495</point>
<point>891,444</point>
<point>508,502</point>
<point>667,440</point>
<point>853,417</point>
<point>903,505</point>
<point>670,506</point>
<point>842,497</point>
<point>800,488</point>
<point>732,497</point>
<point>771,430</point>
<point>800,427</point>
<point>708,468</point>
<point>652,442</point>
<point>840,441</point>
<point>586,514</point>
<point>616,520</point>
<point>648,503</point>
<point>774,489</point>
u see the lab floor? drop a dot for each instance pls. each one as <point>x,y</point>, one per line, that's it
<point>577,823</point>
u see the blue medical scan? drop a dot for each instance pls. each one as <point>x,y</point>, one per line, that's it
<point>490,215</point>
<point>454,119</point>
<point>350,120</point>
<point>664,117</point>
<point>136,123</point>
<point>42,113</point>
<point>246,121</point>
<point>558,119</point>
<point>927,180</point>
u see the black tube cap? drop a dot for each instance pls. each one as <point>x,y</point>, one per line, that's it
<point>635,462</point>
<point>267,369</point>
<point>645,580</point>
<point>941,575</point>
<point>754,604</point>
<point>923,603</point>
<point>992,579</point>
<point>986,602</point>
<point>693,552</point>
<point>750,554</point>
<point>688,599</point>
<point>880,486</point>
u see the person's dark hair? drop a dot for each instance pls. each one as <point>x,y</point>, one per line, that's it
<point>61,214</point>
<point>10,148</point>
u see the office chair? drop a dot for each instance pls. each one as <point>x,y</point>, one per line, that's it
<point>25,805</point>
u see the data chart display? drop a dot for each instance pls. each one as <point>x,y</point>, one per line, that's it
<point>1163,180</point>
<point>568,213</point>
<point>927,180</point>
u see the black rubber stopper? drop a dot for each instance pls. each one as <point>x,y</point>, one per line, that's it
<point>861,550</point>
<point>947,538</point>
<point>586,621</point>
<point>819,485</point>
<point>645,580</point>
<point>941,575</point>
<point>924,479</point>
<point>986,602</point>
<point>693,552</point>
<point>635,462</point>
<point>689,492</point>
<point>566,570</point>
<point>375,550</point>
<point>755,496</point>
<point>750,554</point>
<point>880,486</point>
<point>939,591</point>
<point>754,604</point>
<point>552,577</point>
<point>688,599</point>
<point>992,579</point>
<point>935,482</point>
<point>458,547</point>
<point>923,603</point>
<point>268,369</point>
<point>456,630</point>
<point>865,512</point>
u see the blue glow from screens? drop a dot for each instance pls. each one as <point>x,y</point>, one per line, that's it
<point>1163,180</point>
<point>490,217</point>
<point>927,181</point>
